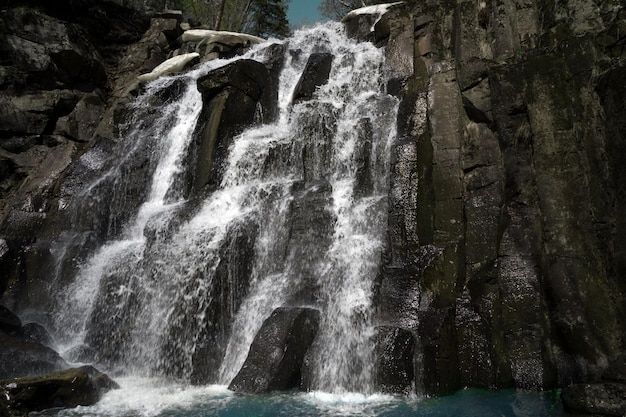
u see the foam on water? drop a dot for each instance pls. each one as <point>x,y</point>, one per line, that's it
<point>149,397</point>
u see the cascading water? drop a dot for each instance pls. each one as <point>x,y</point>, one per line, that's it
<point>298,220</point>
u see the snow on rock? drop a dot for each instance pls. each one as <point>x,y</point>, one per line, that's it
<point>196,35</point>
<point>376,10</point>
<point>174,64</point>
<point>379,9</point>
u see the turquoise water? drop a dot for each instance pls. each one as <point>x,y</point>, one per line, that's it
<point>467,403</point>
<point>154,398</point>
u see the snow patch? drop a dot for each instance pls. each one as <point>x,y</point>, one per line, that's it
<point>174,64</point>
<point>376,10</point>
<point>197,35</point>
<point>379,9</point>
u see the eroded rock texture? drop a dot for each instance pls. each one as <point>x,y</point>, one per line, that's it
<point>506,254</point>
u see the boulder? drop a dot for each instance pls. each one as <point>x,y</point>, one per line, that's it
<point>315,74</point>
<point>246,76</point>
<point>20,358</point>
<point>68,388</point>
<point>224,45</point>
<point>277,353</point>
<point>101,380</point>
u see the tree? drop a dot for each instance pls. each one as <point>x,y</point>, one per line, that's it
<point>337,9</point>
<point>220,14</point>
<point>269,18</point>
<point>264,18</point>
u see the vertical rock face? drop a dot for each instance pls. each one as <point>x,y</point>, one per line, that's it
<point>506,202</point>
<point>315,74</point>
<point>231,96</point>
<point>58,66</point>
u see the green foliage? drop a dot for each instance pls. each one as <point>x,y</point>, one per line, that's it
<point>269,18</point>
<point>264,18</point>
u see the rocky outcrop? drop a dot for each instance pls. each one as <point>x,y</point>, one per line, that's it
<point>58,69</point>
<point>505,211</point>
<point>69,74</point>
<point>277,353</point>
<point>315,74</point>
<point>25,348</point>
<point>230,286</point>
<point>67,389</point>
<point>231,96</point>
<point>34,377</point>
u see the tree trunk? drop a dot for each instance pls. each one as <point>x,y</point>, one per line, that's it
<point>220,14</point>
<point>244,16</point>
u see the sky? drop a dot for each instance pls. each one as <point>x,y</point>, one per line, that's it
<point>303,12</point>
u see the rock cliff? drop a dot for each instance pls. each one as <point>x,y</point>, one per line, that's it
<point>506,251</point>
<point>507,236</point>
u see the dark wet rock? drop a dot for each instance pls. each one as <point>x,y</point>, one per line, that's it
<point>63,62</point>
<point>363,155</point>
<point>277,353</point>
<point>315,74</point>
<point>394,369</point>
<point>602,399</point>
<point>310,225</point>
<point>49,52</point>
<point>81,123</point>
<point>507,233</point>
<point>101,380</point>
<point>9,322</point>
<point>37,333</point>
<point>20,357</point>
<point>522,287</point>
<point>65,389</point>
<point>230,98</point>
<point>231,282</point>
<point>82,353</point>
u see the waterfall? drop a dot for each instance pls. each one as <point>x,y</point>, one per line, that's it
<point>299,219</point>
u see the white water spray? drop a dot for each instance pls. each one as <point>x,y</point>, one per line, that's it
<point>183,284</point>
